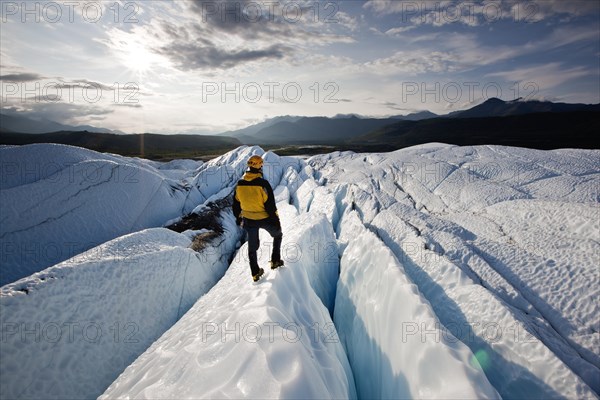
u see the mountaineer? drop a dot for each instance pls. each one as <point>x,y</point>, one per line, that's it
<point>254,208</point>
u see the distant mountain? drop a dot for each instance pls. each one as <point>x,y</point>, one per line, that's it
<point>147,145</point>
<point>246,135</point>
<point>17,123</point>
<point>548,130</point>
<point>341,128</point>
<point>418,116</point>
<point>495,107</point>
<point>344,116</point>
<point>318,130</point>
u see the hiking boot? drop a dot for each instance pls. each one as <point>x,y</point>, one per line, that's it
<point>257,276</point>
<point>276,264</point>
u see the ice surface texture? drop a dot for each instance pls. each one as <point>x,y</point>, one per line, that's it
<point>450,272</point>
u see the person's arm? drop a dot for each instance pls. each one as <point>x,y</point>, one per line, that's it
<point>237,207</point>
<point>270,205</point>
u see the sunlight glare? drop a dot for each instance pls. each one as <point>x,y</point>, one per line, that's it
<point>137,58</point>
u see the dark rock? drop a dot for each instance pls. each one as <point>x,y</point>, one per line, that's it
<point>208,218</point>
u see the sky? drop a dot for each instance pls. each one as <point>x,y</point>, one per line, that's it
<point>211,66</point>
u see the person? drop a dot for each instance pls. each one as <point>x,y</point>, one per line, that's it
<point>254,208</point>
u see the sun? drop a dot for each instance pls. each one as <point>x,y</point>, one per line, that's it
<point>134,51</point>
<point>138,58</point>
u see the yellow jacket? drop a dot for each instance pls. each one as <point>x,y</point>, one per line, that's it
<point>254,198</point>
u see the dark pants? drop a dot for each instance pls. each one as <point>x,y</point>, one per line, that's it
<point>252,227</point>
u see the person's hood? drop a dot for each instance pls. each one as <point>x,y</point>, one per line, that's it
<point>250,176</point>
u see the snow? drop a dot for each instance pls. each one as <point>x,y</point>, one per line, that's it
<point>222,173</point>
<point>517,363</point>
<point>511,272</point>
<point>558,240</point>
<point>291,180</point>
<point>49,193</point>
<point>59,201</point>
<point>304,195</point>
<point>70,330</point>
<point>271,339</point>
<point>317,253</point>
<point>324,202</point>
<point>382,339</point>
<point>449,272</point>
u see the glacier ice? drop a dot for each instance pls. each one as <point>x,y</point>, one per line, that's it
<point>449,272</point>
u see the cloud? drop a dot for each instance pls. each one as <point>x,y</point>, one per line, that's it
<point>564,36</point>
<point>534,11</point>
<point>451,106</point>
<point>440,13</point>
<point>130,105</point>
<point>386,7</point>
<point>423,38</point>
<point>394,106</point>
<point>65,113</point>
<point>545,76</point>
<point>21,77</point>
<point>60,82</point>
<point>346,20</point>
<point>464,52</point>
<point>82,84</point>
<point>257,18</point>
<point>399,30</point>
<point>429,12</point>
<point>414,62</point>
<point>209,36</point>
<point>190,56</point>
<point>469,52</point>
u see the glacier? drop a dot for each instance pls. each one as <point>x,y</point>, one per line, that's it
<point>435,271</point>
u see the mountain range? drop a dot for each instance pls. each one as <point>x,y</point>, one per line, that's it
<point>495,107</point>
<point>21,124</point>
<point>147,145</point>
<point>352,129</point>
<point>317,130</point>
<point>533,124</point>
<point>552,130</point>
